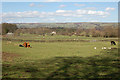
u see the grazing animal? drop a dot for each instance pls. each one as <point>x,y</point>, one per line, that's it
<point>104,47</point>
<point>28,45</point>
<point>109,47</point>
<point>113,43</point>
<point>21,45</point>
<point>25,44</point>
<point>94,47</point>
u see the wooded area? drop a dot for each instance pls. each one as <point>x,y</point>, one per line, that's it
<point>100,31</point>
<point>7,27</point>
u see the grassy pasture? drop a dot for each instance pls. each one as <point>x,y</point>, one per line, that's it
<point>56,37</point>
<point>49,50</point>
<point>60,60</point>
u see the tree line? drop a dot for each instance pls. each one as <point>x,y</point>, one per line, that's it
<point>8,27</point>
<point>100,31</point>
<point>106,31</point>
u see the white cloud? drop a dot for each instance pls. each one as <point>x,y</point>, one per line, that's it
<point>25,14</point>
<point>79,5</point>
<point>61,6</point>
<point>90,8</point>
<point>53,16</point>
<point>32,4</point>
<point>31,14</point>
<point>91,12</point>
<point>109,8</point>
<point>63,11</point>
<point>52,19</point>
<point>60,11</point>
<point>94,21</point>
<point>49,20</point>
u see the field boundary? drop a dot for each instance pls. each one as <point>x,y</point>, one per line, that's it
<point>68,40</point>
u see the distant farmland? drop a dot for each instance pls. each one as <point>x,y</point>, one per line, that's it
<point>66,25</point>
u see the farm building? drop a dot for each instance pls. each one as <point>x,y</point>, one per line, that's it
<point>9,34</point>
<point>53,33</point>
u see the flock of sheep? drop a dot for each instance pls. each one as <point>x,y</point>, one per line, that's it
<point>112,43</point>
<point>103,48</point>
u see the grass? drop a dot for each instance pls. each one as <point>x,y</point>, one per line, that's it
<point>61,60</point>
<point>42,50</point>
<point>57,37</point>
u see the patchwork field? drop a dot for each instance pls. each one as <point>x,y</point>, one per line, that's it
<point>60,59</point>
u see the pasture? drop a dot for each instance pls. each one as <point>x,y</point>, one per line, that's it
<point>60,59</point>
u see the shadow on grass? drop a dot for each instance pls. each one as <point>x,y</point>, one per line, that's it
<point>103,66</point>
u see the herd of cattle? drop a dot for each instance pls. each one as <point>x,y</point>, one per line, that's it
<point>25,44</point>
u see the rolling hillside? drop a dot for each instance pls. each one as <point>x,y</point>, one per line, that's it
<point>85,25</point>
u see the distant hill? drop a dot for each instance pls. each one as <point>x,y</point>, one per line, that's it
<point>66,25</point>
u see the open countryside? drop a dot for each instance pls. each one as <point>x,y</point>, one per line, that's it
<point>60,40</point>
<point>59,55</point>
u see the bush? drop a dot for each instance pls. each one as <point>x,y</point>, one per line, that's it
<point>7,27</point>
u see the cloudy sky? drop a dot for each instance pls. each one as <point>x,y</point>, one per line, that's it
<point>49,12</point>
<point>60,0</point>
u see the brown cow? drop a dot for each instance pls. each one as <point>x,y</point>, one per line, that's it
<point>28,45</point>
<point>25,44</point>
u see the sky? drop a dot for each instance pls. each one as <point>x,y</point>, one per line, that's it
<point>60,0</point>
<point>55,12</point>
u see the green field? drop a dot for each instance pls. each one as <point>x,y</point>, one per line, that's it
<point>55,37</point>
<point>60,59</point>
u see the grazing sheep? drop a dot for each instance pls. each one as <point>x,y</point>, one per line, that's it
<point>53,33</point>
<point>104,47</point>
<point>109,47</point>
<point>94,47</point>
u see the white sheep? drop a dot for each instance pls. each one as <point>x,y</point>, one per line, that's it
<point>109,47</point>
<point>104,47</point>
<point>94,47</point>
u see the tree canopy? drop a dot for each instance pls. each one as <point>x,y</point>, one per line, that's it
<point>8,27</point>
